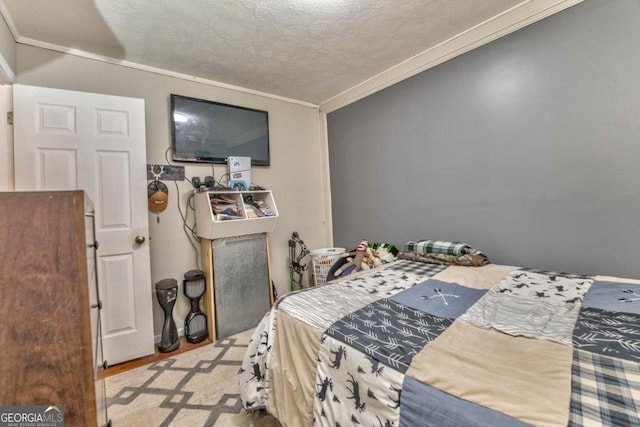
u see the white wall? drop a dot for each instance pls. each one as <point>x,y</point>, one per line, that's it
<point>7,75</point>
<point>295,175</point>
<point>6,140</point>
<point>7,52</point>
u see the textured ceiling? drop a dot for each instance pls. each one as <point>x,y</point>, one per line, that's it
<point>308,50</point>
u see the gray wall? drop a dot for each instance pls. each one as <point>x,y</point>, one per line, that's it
<point>527,148</point>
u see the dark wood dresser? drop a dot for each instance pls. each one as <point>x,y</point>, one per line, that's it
<point>49,306</point>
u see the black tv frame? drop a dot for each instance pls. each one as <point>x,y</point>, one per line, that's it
<point>180,157</point>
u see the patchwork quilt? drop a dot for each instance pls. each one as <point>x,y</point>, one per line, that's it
<point>417,344</point>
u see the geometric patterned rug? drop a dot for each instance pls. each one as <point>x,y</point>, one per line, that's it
<point>195,388</point>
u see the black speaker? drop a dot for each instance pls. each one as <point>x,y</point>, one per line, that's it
<point>166,292</point>
<point>195,324</point>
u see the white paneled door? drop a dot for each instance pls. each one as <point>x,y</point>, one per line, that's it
<point>67,140</point>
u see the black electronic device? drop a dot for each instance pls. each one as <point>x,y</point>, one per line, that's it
<point>195,324</point>
<point>195,181</point>
<point>167,292</point>
<point>209,132</point>
<point>209,182</point>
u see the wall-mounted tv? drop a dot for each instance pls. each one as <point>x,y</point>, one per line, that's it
<point>209,132</point>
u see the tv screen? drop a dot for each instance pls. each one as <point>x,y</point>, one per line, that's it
<point>209,132</point>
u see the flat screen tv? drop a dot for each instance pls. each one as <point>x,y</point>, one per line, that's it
<point>209,132</point>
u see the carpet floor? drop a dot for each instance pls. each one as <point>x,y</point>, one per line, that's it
<point>195,388</point>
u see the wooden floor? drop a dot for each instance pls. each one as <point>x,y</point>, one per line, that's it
<point>184,346</point>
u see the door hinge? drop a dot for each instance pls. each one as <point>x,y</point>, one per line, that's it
<point>10,117</point>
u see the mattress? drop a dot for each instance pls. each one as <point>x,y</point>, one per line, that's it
<point>414,343</point>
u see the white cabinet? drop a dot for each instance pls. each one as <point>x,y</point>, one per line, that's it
<point>234,213</point>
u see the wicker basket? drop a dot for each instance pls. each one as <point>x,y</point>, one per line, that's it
<point>322,260</point>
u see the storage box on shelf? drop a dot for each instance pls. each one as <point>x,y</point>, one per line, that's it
<point>234,213</point>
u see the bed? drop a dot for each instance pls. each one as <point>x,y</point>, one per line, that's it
<point>416,343</point>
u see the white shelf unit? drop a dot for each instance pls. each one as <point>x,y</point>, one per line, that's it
<point>210,227</point>
<point>212,231</point>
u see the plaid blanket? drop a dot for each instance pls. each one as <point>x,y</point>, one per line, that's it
<point>471,260</point>
<point>424,247</point>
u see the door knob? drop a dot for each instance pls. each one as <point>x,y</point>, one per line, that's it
<point>140,239</point>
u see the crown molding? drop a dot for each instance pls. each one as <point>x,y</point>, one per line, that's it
<point>156,70</point>
<point>513,19</point>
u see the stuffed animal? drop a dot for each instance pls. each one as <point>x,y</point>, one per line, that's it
<point>383,255</point>
<point>375,258</point>
<point>355,259</point>
<point>365,257</point>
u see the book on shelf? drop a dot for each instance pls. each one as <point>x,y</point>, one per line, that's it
<point>222,198</point>
<point>227,217</point>
<point>260,208</point>
<point>251,212</point>
<point>226,206</point>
